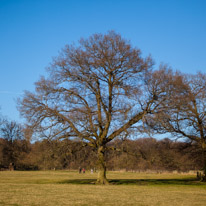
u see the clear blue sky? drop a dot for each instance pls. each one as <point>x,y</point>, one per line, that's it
<point>33,31</point>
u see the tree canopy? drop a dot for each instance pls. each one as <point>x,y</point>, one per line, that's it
<point>95,91</point>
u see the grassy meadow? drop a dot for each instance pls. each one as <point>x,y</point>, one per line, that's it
<point>55,188</point>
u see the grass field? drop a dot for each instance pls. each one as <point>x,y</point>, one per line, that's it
<point>54,188</point>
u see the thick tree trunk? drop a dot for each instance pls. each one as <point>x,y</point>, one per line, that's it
<point>101,179</point>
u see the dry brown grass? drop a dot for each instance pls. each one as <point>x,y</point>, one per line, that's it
<point>54,188</point>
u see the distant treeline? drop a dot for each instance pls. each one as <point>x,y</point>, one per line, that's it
<point>140,154</point>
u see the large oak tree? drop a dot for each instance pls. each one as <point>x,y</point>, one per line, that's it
<point>95,91</point>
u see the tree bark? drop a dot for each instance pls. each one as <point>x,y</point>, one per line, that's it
<point>101,179</point>
<point>203,179</point>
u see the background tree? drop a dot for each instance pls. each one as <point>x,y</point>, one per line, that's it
<point>14,146</point>
<point>94,92</point>
<point>185,116</point>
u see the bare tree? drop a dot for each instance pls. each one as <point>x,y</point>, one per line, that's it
<point>12,133</point>
<point>94,92</point>
<point>185,116</point>
<point>11,130</point>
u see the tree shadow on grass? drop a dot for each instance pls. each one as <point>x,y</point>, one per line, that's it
<point>79,181</point>
<point>155,182</point>
<point>189,181</point>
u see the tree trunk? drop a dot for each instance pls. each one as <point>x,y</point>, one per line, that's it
<point>101,179</point>
<point>203,179</point>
